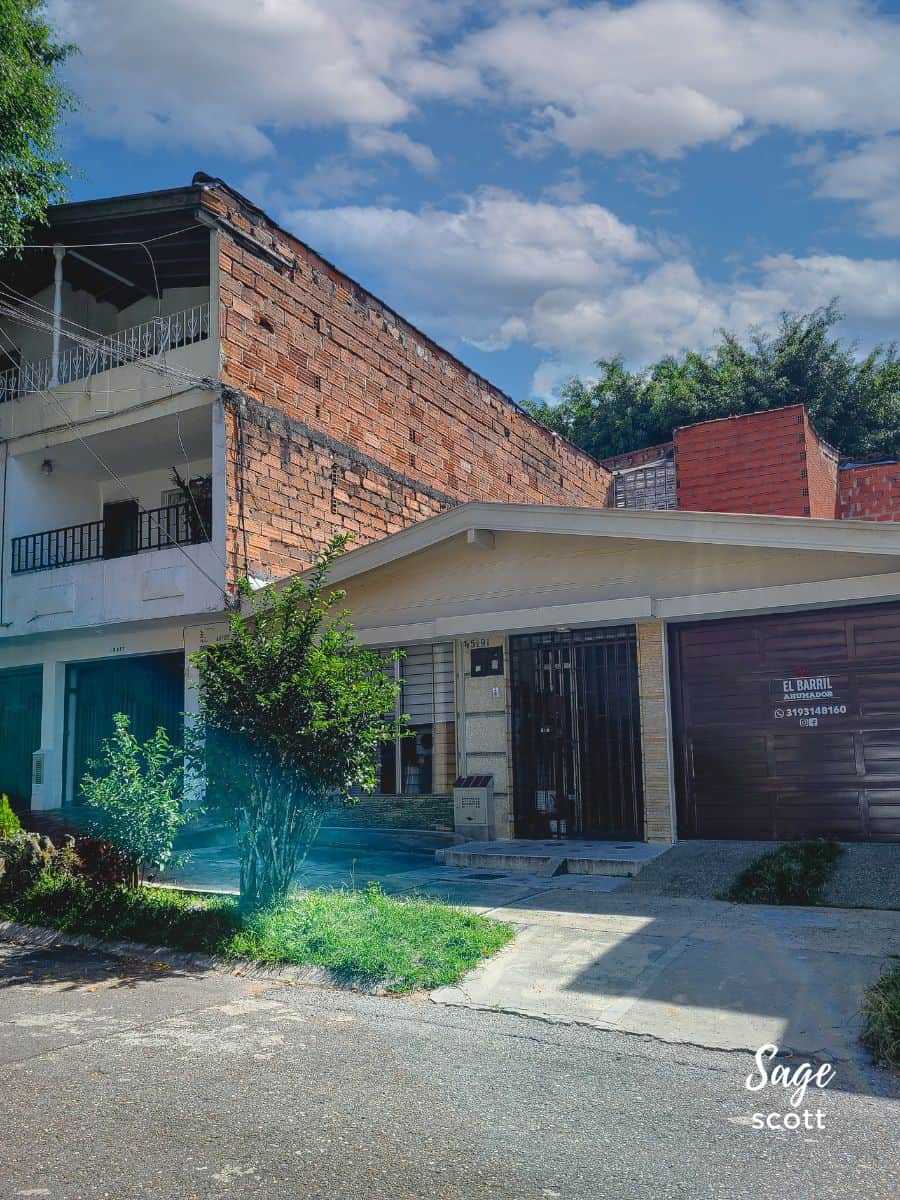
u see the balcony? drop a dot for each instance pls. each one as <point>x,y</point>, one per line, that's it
<point>92,356</point>
<point>131,531</point>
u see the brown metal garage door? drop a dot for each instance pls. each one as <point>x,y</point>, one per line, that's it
<point>789,726</point>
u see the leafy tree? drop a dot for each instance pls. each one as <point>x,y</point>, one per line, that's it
<point>139,802</point>
<point>292,710</point>
<point>854,402</point>
<point>32,101</point>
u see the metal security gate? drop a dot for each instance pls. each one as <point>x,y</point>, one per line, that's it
<point>20,730</point>
<point>576,734</point>
<point>789,726</point>
<point>147,688</point>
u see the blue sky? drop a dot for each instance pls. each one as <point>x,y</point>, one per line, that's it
<point>536,185</point>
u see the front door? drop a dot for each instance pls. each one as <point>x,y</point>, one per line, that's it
<point>120,528</point>
<point>576,734</point>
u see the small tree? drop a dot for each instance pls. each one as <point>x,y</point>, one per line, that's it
<point>32,102</point>
<point>139,801</point>
<point>292,710</point>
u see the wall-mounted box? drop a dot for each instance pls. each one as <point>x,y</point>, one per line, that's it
<point>486,660</point>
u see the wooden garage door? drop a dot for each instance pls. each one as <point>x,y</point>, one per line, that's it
<point>789,726</point>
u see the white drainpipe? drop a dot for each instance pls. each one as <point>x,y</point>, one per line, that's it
<point>58,254</point>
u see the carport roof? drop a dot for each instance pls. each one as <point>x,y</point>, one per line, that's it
<point>724,529</point>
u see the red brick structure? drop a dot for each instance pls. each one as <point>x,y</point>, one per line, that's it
<point>869,491</point>
<point>343,417</point>
<point>766,462</point>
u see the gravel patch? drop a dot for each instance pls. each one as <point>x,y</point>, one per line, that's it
<point>695,870</point>
<point>867,876</point>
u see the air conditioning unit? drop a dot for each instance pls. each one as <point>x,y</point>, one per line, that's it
<point>473,806</point>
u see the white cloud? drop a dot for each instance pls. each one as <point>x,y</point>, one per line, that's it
<point>230,74</point>
<point>374,143</point>
<point>576,283</point>
<point>655,75</point>
<point>871,175</point>
<point>667,75</point>
<point>477,271</point>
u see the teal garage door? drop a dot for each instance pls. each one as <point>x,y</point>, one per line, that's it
<point>149,689</point>
<point>20,730</point>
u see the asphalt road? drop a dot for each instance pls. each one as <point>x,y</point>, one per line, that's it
<point>129,1080</point>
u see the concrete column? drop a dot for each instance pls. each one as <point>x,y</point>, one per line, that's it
<point>58,254</point>
<point>484,727</point>
<point>53,699</point>
<point>656,732</point>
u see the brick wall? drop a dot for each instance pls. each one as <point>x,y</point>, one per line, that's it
<point>869,491</point>
<point>342,416</point>
<point>638,458</point>
<point>765,462</point>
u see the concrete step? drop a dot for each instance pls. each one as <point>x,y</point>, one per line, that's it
<point>549,858</point>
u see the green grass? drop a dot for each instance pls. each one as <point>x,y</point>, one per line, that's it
<point>881,1018</point>
<point>793,874</point>
<point>364,937</point>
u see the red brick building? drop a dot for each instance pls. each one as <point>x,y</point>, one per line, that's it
<point>770,462</point>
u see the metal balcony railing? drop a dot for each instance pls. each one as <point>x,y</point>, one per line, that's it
<point>150,529</point>
<point>109,350</point>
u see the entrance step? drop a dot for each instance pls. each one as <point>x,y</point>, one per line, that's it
<point>573,857</point>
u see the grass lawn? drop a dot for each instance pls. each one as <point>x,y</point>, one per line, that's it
<point>881,1018</point>
<point>793,874</point>
<point>364,937</point>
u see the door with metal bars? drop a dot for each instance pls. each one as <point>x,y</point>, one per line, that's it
<point>576,734</point>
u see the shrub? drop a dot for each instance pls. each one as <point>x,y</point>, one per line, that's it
<point>24,857</point>
<point>793,874</point>
<point>139,803</point>
<point>9,822</point>
<point>101,862</point>
<point>881,1019</point>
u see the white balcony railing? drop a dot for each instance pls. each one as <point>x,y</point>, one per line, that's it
<point>109,350</point>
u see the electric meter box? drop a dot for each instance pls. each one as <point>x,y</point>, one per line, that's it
<point>473,806</point>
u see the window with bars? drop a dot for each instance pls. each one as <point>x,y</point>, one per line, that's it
<point>650,487</point>
<point>424,762</point>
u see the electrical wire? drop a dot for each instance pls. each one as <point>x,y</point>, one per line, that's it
<point>118,479</point>
<point>161,237</point>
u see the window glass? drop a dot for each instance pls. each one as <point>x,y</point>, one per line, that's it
<point>422,763</point>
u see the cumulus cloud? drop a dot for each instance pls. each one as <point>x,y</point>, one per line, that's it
<point>660,76</point>
<point>477,270</point>
<point>871,175</point>
<point>575,282</point>
<point>229,74</point>
<point>374,143</point>
<point>666,75</point>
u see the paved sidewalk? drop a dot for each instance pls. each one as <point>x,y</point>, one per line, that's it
<point>696,971</point>
<point>593,950</point>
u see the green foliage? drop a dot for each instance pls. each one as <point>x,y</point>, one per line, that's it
<point>32,101</point>
<point>795,873</point>
<point>160,916</point>
<point>881,1018</point>
<point>364,937</point>
<point>9,821</point>
<point>292,710</point>
<point>371,938</point>
<point>24,857</point>
<point>854,402</point>
<point>139,802</point>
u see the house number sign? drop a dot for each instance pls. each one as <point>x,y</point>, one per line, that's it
<point>804,700</point>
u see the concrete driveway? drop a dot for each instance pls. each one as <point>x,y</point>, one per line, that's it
<point>702,972</point>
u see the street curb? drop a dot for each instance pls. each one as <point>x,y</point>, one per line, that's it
<point>40,937</point>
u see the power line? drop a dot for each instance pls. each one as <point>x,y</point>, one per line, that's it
<point>100,245</point>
